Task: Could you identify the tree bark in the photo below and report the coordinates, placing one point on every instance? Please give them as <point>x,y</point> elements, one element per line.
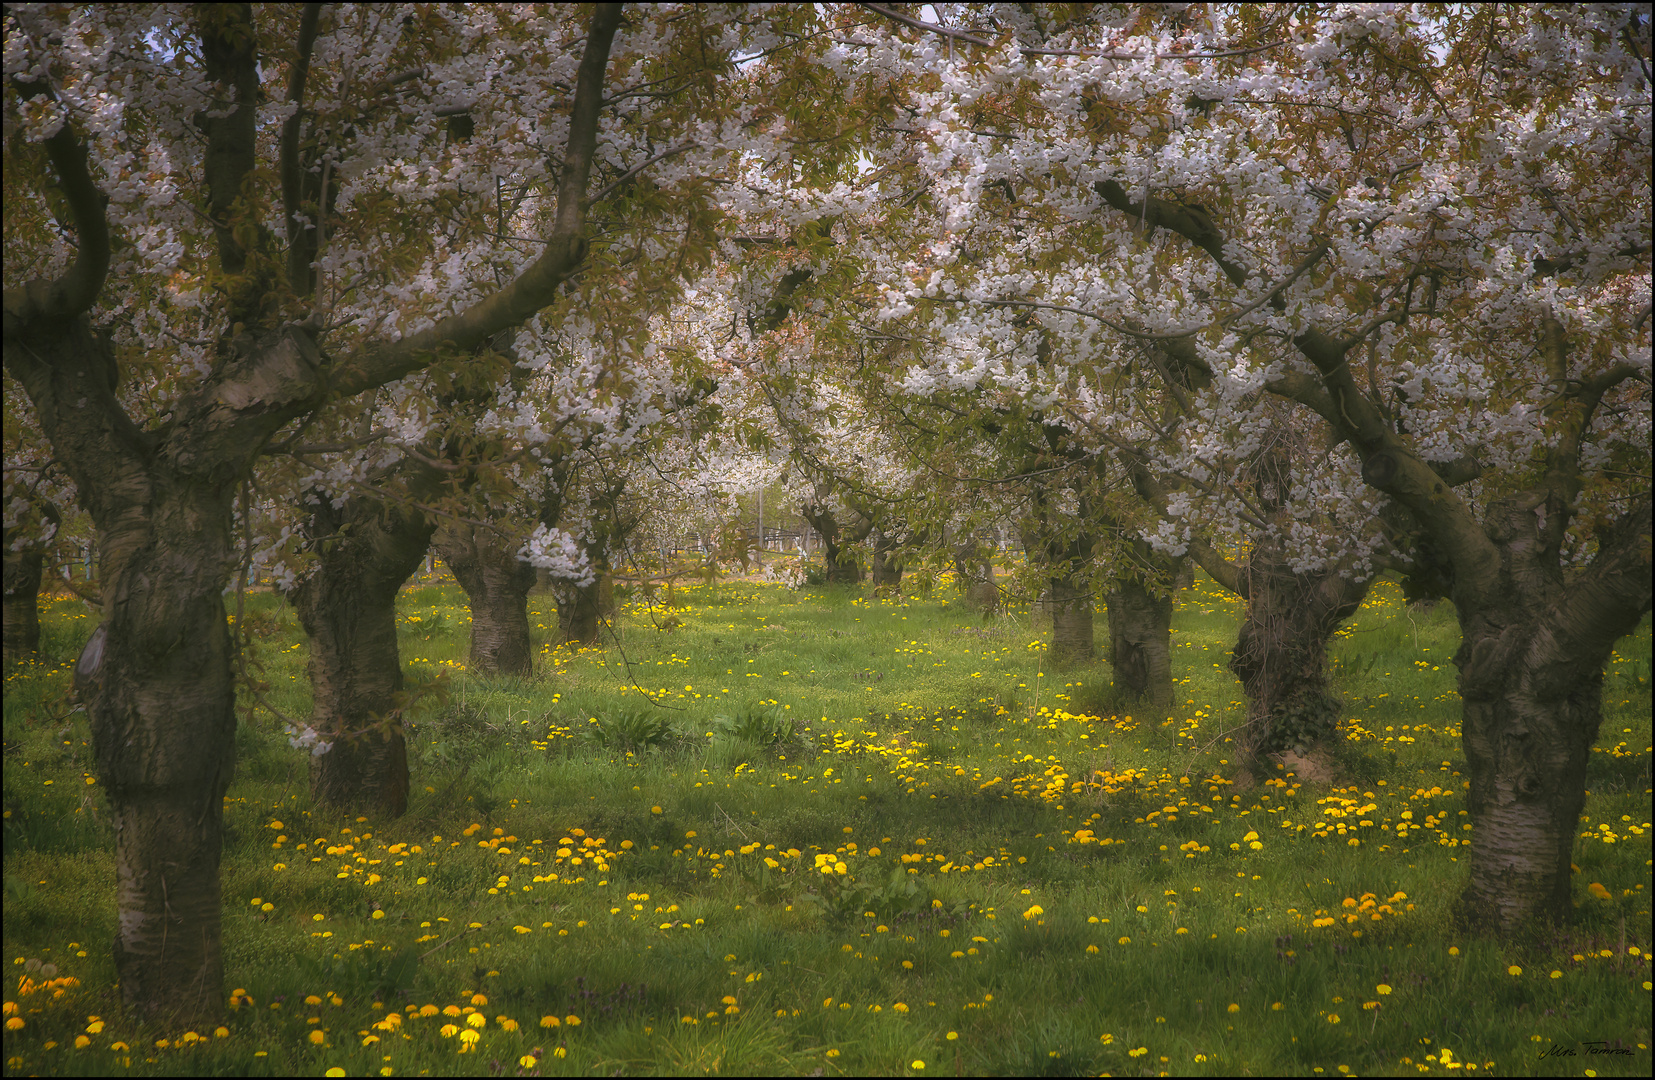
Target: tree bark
<point>1140,623</point>
<point>1068,598</point>
<point>1531,661</point>
<point>156,675</point>
<point>156,681</point>
<point>23,570</point>
<point>582,610</point>
<point>496,584</point>
<point>884,568</point>
<point>1071,606</point>
<point>347,606</point>
<point>1281,652</point>
<point>841,567</point>
<point>974,576</point>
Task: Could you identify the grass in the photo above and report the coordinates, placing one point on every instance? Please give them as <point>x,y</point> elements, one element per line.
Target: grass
<point>872,836</point>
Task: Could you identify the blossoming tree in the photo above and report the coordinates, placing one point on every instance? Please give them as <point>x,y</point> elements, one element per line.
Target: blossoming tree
<point>151,204</point>
<point>1428,230</point>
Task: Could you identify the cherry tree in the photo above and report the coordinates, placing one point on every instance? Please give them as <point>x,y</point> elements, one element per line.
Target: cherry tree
<point>1427,229</point>
<point>148,132</point>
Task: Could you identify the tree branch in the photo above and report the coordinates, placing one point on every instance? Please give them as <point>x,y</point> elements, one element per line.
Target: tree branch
<point>74,292</point>
<point>298,263</point>
<point>536,286</point>
<point>1392,466</point>
<point>229,52</point>
<point>1193,223</point>
<point>1607,601</point>
<point>971,39</point>
<point>1206,556</point>
<point>602,192</point>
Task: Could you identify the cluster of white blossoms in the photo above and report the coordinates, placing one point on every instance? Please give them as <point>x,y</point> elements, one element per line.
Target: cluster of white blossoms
<point>560,554</point>
<point>986,232</point>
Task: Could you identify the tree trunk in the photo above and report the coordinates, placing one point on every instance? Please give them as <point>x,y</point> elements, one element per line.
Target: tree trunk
<point>365,551</point>
<point>885,569</point>
<point>841,568</point>
<point>23,571</point>
<point>974,576</point>
<point>1534,635</point>
<point>496,584</point>
<point>1071,607</point>
<point>1281,652</point>
<point>156,681</point>
<point>583,609</point>
<point>1531,661</point>
<point>1527,737</point>
<point>1139,625</point>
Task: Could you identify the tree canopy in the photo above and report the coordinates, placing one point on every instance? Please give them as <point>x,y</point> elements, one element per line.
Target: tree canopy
<point>1302,292</point>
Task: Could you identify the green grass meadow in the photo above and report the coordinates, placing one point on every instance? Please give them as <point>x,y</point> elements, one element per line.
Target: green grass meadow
<point>823,832</point>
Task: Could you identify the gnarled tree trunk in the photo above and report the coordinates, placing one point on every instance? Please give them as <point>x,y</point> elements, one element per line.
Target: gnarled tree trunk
<point>347,606</point>
<point>974,576</point>
<point>884,567</point>
<point>1140,623</point>
<point>1071,606</point>
<point>1281,652</point>
<point>1531,662</point>
<point>583,610</point>
<point>156,679</point>
<point>1068,599</point>
<point>841,567</point>
<point>1534,637</point>
<point>496,584</point>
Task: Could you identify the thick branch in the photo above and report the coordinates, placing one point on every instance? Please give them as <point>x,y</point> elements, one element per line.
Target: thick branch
<point>73,292</point>
<point>583,121</point>
<point>972,39</point>
<point>1193,223</point>
<point>1206,556</point>
<point>536,286</point>
<point>1581,403</point>
<point>298,263</point>
<point>1392,466</point>
<point>1272,297</point>
<point>229,52</point>
<point>1309,392</point>
<point>1607,601</point>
